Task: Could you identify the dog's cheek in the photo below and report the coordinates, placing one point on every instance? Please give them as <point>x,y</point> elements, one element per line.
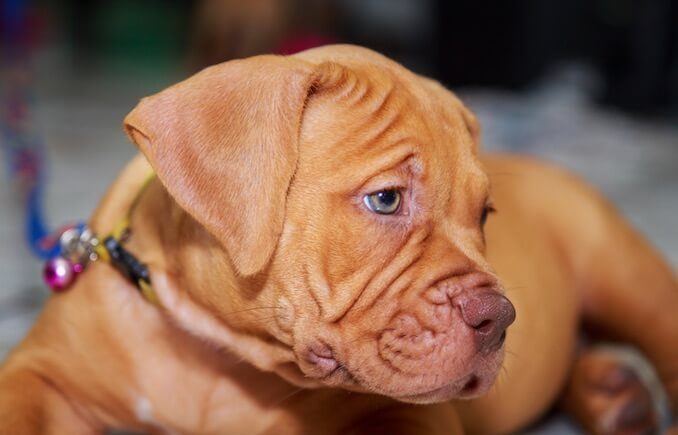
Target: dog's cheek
<point>356,240</point>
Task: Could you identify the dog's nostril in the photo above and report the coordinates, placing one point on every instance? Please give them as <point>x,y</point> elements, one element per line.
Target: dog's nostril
<point>471,385</point>
<point>484,326</point>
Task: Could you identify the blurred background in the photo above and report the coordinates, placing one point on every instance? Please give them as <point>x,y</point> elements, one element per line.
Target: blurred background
<point>590,84</point>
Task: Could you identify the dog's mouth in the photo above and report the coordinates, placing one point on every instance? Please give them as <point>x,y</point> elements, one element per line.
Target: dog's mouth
<point>340,376</point>
<point>442,352</point>
<point>320,362</point>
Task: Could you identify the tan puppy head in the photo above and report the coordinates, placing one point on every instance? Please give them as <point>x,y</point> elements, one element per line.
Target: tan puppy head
<point>344,192</point>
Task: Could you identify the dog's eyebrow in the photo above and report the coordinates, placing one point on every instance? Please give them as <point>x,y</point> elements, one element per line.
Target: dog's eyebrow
<point>377,162</point>
<point>393,155</point>
<point>404,156</point>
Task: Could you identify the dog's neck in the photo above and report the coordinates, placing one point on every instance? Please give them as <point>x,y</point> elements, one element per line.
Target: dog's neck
<point>197,286</point>
<point>187,266</point>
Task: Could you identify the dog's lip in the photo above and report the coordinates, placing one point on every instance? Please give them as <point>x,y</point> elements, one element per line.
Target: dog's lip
<point>340,376</point>
<point>467,387</point>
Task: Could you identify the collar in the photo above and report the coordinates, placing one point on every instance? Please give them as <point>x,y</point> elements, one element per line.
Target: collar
<point>80,246</point>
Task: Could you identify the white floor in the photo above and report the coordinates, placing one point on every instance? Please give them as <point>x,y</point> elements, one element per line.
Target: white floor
<point>79,116</point>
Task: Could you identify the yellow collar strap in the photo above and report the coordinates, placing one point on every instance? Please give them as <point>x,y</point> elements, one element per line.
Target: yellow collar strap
<point>123,260</point>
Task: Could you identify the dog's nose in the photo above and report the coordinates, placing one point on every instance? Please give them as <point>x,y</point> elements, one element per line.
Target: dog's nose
<point>488,313</point>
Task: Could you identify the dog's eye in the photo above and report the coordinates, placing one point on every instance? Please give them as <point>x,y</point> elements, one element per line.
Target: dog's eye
<point>384,201</point>
<point>486,212</point>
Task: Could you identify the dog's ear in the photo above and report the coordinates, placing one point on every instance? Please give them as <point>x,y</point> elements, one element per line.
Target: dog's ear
<point>470,121</point>
<point>472,124</point>
<point>224,144</point>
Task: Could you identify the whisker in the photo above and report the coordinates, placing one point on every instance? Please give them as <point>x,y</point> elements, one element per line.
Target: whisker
<point>285,397</point>
<point>512,355</point>
<point>361,340</point>
<point>502,174</point>
<point>259,321</point>
<point>501,380</point>
<point>515,287</point>
<point>253,309</point>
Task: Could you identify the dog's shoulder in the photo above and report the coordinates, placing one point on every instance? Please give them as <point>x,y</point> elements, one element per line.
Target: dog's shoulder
<point>543,200</point>
<point>546,189</point>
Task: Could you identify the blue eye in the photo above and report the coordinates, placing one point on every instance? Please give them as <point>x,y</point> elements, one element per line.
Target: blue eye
<point>384,201</point>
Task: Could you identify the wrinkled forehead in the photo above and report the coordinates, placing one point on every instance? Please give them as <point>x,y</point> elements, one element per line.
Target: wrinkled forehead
<point>375,117</point>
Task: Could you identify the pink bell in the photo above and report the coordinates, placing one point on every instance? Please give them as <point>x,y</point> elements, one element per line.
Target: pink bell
<point>58,274</point>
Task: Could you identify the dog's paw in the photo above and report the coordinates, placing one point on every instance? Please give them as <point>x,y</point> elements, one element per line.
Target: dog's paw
<point>606,396</point>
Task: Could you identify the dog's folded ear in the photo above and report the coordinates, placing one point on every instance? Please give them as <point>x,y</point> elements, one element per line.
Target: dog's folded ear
<point>224,144</point>
<point>472,124</point>
<point>470,121</point>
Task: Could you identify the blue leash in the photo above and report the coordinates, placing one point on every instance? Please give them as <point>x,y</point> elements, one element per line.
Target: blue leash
<point>71,248</point>
<point>23,154</point>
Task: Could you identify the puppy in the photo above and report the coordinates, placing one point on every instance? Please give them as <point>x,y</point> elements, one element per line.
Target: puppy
<point>316,243</point>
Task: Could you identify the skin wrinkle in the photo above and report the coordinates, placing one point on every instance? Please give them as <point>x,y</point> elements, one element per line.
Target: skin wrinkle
<point>378,125</point>
<point>389,363</point>
<point>388,127</point>
<point>87,418</point>
<point>399,154</point>
<point>389,346</point>
<point>366,92</point>
<point>203,418</point>
<point>397,285</point>
<point>373,157</point>
<point>180,299</point>
<point>423,378</point>
<point>204,305</point>
<point>355,96</point>
<point>437,345</point>
<point>401,282</point>
<point>285,323</point>
<point>367,301</point>
<point>306,276</point>
<point>349,84</point>
<point>363,364</point>
<point>371,143</point>
<point>338,315</point>
<point>387,99</point>
<point>469,253</point>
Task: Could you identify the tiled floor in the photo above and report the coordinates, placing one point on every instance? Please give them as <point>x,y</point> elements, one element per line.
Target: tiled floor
<point>79,115</point>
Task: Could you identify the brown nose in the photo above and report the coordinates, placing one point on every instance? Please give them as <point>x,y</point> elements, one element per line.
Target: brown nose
<point>488,313</point>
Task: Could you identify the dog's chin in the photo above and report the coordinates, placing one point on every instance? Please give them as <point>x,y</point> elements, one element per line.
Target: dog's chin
<point>474,382</point>
<point>469,387</point>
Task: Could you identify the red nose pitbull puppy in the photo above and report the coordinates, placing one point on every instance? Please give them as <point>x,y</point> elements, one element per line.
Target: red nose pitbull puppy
<point>320,262</point>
